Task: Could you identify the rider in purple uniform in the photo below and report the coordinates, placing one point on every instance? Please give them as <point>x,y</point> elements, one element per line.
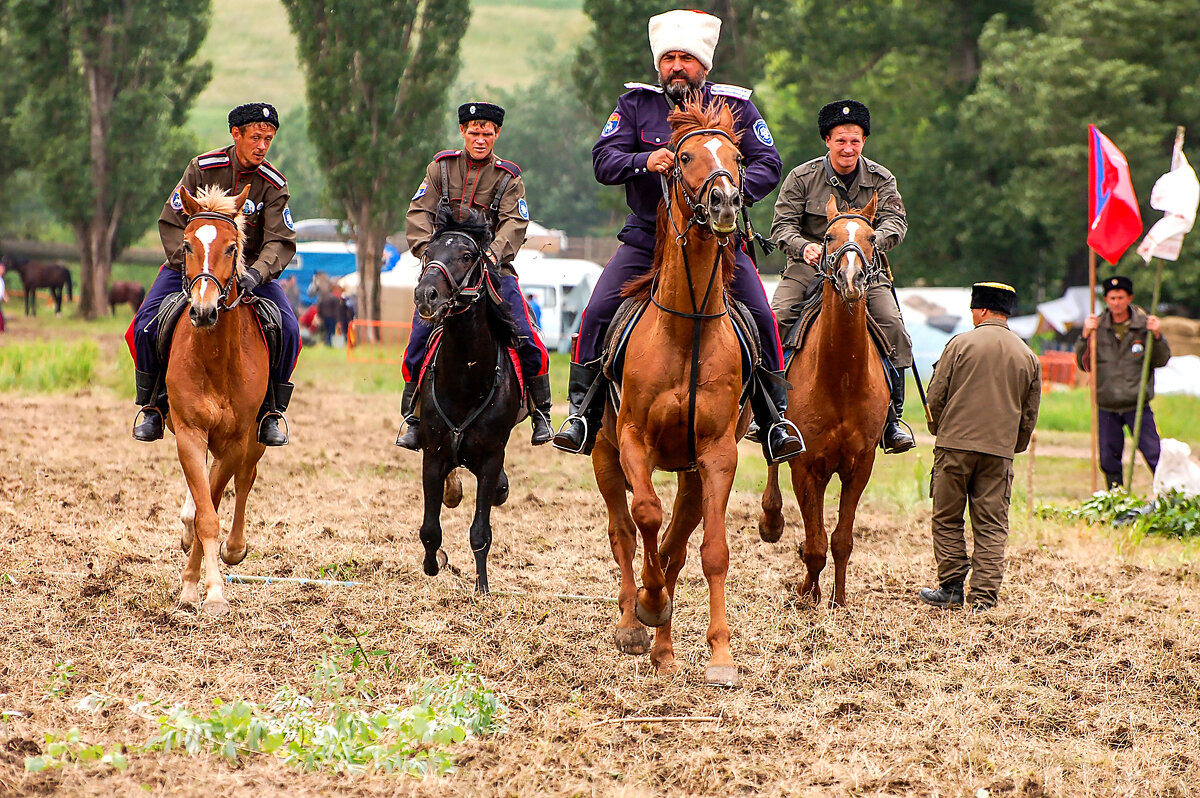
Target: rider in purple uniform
<point>634,150</point>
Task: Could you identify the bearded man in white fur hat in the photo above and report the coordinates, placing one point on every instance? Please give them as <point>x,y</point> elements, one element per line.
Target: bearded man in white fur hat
<point>633,151</point>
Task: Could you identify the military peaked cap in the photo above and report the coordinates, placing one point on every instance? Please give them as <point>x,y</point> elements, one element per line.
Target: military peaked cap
<point>484,112</point>
<point>250,113</point>
<point>998,297</point>
<point>1118,283</point>
<point>844,112</point>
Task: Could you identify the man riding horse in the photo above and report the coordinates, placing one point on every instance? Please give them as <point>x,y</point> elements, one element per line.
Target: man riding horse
<point>270,245</point>
<point>475,177</point>
<point>799,229</point>
<point>633,151</point>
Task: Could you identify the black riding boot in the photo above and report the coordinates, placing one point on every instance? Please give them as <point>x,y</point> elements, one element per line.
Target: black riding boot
<point>279,396</point>
<point>539,409</point>
<point>768,400</point>
<point>409,439</point>
<point>896,439</point>
<point>586,390</point>
<point>1113,480</point>
<point>152,403</point>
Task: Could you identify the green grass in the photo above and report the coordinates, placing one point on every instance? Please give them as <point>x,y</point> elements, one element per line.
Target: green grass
<point>54,366</point>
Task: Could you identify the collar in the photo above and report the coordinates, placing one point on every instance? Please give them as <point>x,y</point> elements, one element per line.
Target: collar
<point>993,323</point>
<point>846,180</point>
<point>488,160</point>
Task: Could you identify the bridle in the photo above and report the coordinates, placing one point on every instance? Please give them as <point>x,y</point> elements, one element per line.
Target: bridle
<point>463,294</point>
<point>231,283</point>
<point>694,201</point>
<point>827,266</point>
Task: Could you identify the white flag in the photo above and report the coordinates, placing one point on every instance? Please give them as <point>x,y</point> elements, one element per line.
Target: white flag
<point>1176,194</point>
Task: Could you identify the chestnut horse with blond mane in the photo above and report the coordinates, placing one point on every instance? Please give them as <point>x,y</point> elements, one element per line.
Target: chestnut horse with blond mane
<point>840,405</point>
<point>216,381</point>
<point>679,397</point>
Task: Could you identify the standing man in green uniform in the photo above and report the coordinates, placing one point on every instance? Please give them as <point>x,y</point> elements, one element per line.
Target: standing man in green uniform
<point>983,402</point>
<point>799,229</point>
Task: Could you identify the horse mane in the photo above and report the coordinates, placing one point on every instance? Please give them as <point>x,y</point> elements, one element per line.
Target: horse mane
<point>692,116</point>
<point>213,199</point>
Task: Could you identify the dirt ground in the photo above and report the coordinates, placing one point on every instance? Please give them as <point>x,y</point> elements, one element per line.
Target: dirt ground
<point>1084,681</point>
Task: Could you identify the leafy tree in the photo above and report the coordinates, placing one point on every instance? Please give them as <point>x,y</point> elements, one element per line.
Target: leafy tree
<point>296,157</point>
<point>105,127</point>
<point>377,71</point>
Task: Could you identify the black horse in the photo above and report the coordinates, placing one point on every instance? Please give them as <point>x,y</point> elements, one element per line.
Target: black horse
<point>35,275</point>
<point>470,396</point>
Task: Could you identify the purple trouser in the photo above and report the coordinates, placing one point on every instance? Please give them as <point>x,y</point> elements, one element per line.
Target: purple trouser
<point>169,281</point>
<point>632,261</point>
<point>535,361</point>
<point>1112,438</point>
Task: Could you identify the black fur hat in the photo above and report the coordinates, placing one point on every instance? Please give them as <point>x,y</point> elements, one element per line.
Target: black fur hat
<point>484,112</point>
<point>250,113</point>
<point>1118,283</point>
<point>994,296</point>
<point>844,112</point>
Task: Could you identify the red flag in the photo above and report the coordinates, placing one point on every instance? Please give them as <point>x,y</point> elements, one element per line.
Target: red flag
<point>1115,221</point>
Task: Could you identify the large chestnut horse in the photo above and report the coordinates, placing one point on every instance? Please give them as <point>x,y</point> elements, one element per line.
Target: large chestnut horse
<point>679,397</point>
<point>216,381</point>
<point>838,399</point>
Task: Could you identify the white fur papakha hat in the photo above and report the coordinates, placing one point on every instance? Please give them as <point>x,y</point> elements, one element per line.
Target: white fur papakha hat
<point>693,32</point>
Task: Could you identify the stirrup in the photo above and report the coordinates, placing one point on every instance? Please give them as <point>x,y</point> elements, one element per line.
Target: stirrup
<point>287,430</point>
<point>771,457</point>
<point>144,412</point>
<point>583,444</point>
<point>911,437</point>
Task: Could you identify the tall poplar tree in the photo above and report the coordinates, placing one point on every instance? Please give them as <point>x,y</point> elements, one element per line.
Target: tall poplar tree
<point>103,120</point>
<point>377,74</point>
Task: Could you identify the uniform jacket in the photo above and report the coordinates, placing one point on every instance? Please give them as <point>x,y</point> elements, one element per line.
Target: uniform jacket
<point>270,233</point>
<point>985,392</point>
<point>473,182</point>
<point>639,126</point>
<point>800,210</point>
<point>1119,361</point>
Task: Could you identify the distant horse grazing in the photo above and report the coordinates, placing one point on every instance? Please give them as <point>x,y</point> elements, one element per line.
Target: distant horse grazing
<point>470,392</point>
<point>126,291</point>
<point>679,397</point>
<point>839,400</point>
<point>216,381</point>
<point>38,274</point>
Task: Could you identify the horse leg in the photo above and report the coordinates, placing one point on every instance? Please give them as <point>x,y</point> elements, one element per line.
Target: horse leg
<point>630,636</point>
<point>842,543</point>
<point>770,523</point>
<point>810,491</point>
<point>685,516</point>
<point>652,604</point>
<point>487,481</point>
<point>190,593</point>
<point>717,468</point>
<point>234,549</point>
<point>57,293</point>
<point>433,478</point>
<point>191,447</point>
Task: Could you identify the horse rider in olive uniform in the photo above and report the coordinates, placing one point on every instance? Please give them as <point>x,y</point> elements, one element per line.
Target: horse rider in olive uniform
<point>475,177</point>
<point>270,245</point>
<point>799,229</point>
<point>634,151</point>
<point>983,405</point>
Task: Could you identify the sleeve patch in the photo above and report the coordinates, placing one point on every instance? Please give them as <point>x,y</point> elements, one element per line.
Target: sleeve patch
<point>611,126</point>
<point>421,189</point>
<point>763,133</point>
<point>287,219</point>
<point>896,204</point>
<point>176,200</point>
<point>523,209</point>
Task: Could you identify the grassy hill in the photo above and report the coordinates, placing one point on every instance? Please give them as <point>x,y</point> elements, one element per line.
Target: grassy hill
<point>253,53</point>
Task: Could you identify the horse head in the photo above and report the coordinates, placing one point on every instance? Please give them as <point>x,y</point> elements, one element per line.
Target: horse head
<point>213,242</point>
<point>848,258</point>
<point>453,269</point>
<point>708,164</point>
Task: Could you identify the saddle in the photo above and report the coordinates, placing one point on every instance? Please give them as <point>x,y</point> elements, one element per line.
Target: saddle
<point>630,312</point>
<point>270,322</point>
<point>810,308</point>
<point>429,364</point>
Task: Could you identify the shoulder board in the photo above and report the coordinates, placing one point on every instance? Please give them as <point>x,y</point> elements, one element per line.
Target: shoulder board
<point>633,84</point>
<point>447,154</point>
<point>211,160</point>
<point>877,168</point>
<point>729,90</point>
<point>273,175</point>
<point>509,167</point>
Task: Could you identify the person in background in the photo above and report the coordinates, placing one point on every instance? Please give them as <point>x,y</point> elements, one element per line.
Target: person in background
<point>536,309</point>
<point>3,296</point>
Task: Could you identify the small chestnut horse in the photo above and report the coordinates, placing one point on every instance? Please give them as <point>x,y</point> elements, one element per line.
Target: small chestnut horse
<point>839,400</point>
<point>216,381</point>
<point>679,397</point>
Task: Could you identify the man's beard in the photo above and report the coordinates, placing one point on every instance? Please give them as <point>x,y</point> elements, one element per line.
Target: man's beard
<point>678,92</point>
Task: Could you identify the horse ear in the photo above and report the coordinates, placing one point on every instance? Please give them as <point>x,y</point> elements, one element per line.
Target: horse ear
<point>241,198</point>
<point>190,206</point>
<point>869,211</point>
<point>831,208</point>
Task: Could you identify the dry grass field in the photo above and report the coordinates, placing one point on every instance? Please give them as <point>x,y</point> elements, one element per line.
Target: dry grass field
<point>1085,680</point>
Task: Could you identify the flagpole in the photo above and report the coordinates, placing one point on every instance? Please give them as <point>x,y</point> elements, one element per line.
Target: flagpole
<point>1137,419</point>
<point>1092,367</point>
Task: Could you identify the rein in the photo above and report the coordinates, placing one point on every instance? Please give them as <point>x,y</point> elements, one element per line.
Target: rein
<point>463,295</point>
<point>231,283</point>
<point>829,260</point>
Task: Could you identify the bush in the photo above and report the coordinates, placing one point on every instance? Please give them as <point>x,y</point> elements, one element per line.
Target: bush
<point>48,366</point>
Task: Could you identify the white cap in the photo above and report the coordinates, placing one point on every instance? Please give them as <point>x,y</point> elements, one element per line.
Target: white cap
<point>693,32</point>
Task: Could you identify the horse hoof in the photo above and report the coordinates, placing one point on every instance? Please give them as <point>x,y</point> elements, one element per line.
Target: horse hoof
<point>501,490</point>
<point>632,641</point>
<point>233,559</point>
<point>441,558</point>
<point>722,676</point>
<point>430,566</point>
<point>481,587</point>
<point>769,530</point>
<point>668,667</point>
<point>645,616</point>
<point>189,595</point>
<point>216,608</point>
